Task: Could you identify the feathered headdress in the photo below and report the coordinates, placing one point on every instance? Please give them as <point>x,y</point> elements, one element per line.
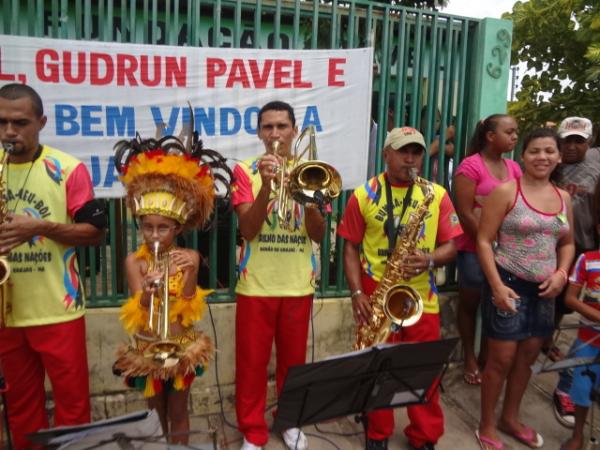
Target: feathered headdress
<point>165,177</point>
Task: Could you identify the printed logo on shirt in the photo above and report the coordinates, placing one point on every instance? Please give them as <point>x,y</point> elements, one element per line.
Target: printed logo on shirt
<point>54,169</point>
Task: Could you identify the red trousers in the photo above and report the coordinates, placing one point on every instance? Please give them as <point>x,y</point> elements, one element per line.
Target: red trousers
<point>426,421</point>
<point>259,320</point>
<point>26,354</point>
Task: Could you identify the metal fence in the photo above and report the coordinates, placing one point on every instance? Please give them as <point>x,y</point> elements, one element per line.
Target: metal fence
<point>421,79</point>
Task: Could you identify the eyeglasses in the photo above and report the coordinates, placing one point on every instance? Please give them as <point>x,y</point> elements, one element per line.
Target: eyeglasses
<point>161,230</point>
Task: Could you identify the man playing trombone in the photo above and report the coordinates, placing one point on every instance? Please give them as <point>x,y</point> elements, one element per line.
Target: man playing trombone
<point>277,235</point>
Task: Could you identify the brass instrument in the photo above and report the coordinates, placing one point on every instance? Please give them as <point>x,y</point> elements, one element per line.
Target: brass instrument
<point>4,264</point>
<point>163,350</point>
<point>311,182</point>
<point>392,301</point>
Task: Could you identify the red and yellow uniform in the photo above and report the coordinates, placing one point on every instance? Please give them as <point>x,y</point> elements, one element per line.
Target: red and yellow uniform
<point>274,296</point>
<point>45,325</point>
<point>364,223</point>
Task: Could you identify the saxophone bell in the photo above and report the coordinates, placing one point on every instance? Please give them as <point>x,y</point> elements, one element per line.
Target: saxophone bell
<point>403,305</point>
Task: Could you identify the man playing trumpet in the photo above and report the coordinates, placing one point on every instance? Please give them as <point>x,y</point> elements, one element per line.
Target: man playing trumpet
<point>271,305</point>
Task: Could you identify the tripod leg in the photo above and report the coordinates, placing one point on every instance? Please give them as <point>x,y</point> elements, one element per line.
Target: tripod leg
<point>364,419</point>
<point>592,442</point>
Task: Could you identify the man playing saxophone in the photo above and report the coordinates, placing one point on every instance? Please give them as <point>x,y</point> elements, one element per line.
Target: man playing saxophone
<point>373,221</point>
<point>51,209</point>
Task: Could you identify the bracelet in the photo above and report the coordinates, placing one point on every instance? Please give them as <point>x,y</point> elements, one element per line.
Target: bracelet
<point>563,272</point>
<point>431,265</point>
<point>356,293</point>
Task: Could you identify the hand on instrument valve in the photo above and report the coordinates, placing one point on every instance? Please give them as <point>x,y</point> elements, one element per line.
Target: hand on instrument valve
<point>415,264</point>
<point>17,229</point>
<point>267,167</point>
<point>150,286</point>
<point>183,260</point>
<point>361,308</point>
<point>186,261</point>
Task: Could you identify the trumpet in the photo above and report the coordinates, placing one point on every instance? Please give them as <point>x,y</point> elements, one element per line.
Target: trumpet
<point>311,182</point>
<point>163,350</point>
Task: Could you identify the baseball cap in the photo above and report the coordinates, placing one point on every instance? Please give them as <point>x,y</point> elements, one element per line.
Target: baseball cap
<point>399,137</point>
<point>579,126</point>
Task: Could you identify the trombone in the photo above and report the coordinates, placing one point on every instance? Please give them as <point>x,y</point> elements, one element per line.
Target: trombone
<point>309,182</point>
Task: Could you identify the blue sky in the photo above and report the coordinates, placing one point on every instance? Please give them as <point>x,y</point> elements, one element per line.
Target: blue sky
<point>481,8</point>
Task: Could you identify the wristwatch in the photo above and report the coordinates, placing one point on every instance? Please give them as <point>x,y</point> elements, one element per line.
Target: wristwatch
<point>356,293</point>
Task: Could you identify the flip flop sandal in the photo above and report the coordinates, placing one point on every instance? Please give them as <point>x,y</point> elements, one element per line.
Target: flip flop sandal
<point>528,437</point>
<point>487,443</point>
<point>472,378</point>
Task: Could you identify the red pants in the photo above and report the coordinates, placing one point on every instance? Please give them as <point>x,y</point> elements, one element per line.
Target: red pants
<point>426,421</point>
<point>257,321</point>
<point>27,354</point>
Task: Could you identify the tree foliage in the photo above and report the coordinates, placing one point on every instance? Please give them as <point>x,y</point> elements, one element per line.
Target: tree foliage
<point>559,41</point>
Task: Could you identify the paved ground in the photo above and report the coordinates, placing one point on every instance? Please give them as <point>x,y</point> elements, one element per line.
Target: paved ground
<point>459,401</point>
<point>461,406</point>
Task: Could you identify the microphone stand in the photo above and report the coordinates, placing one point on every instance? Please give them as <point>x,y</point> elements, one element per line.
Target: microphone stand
<point>3,389</point>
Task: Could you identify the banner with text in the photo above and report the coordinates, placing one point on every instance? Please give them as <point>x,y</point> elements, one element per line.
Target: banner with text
<point>97,93</point>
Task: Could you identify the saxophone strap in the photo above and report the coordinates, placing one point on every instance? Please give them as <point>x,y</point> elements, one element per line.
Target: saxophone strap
<point>391,230</point>
<point>36,155</point>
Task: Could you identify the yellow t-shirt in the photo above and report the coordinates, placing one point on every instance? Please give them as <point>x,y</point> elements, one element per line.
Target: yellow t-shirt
<point>44,286</point>
<point>365,217</point>
<point>277,262</point>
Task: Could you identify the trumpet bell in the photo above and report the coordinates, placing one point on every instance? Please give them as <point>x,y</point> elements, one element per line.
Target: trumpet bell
<point>164,353</point>
<point>403,305</point>
<point>314,182</point>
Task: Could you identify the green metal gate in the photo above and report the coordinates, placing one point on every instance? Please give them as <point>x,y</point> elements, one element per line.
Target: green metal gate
<point>427,66</point>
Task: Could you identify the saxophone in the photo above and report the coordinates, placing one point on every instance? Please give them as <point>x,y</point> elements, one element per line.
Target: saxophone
<point>4,265</point>
<point>393,302</point>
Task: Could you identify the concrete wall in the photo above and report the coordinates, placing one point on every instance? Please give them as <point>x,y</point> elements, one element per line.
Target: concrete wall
<point>333,334</point>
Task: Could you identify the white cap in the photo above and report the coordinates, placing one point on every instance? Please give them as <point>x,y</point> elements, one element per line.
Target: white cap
<point>399,137</point>
<point>579,126</point>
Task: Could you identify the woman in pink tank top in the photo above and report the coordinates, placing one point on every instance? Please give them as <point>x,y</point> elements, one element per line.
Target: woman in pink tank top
<point>530,220</point>
<point>478,174</point>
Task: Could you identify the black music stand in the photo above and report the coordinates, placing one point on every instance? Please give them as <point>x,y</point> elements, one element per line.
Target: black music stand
<point>385,376</point>
<point>137,430</point>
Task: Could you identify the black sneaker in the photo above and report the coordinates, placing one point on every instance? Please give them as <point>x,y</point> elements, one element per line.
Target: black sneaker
<point>564,409</point>
<point>376,444</point>
<point>426,446</point>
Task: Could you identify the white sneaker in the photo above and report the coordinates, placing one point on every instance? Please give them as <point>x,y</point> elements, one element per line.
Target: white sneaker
<point>250,446</point>
<point>295,439</point>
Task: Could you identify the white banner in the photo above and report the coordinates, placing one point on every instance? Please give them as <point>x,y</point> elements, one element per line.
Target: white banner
<point>97,93</point>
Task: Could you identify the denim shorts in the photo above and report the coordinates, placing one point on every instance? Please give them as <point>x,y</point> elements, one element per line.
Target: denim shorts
<point>534,316</point>
<point>470,275</point>
<point>581,388</point>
